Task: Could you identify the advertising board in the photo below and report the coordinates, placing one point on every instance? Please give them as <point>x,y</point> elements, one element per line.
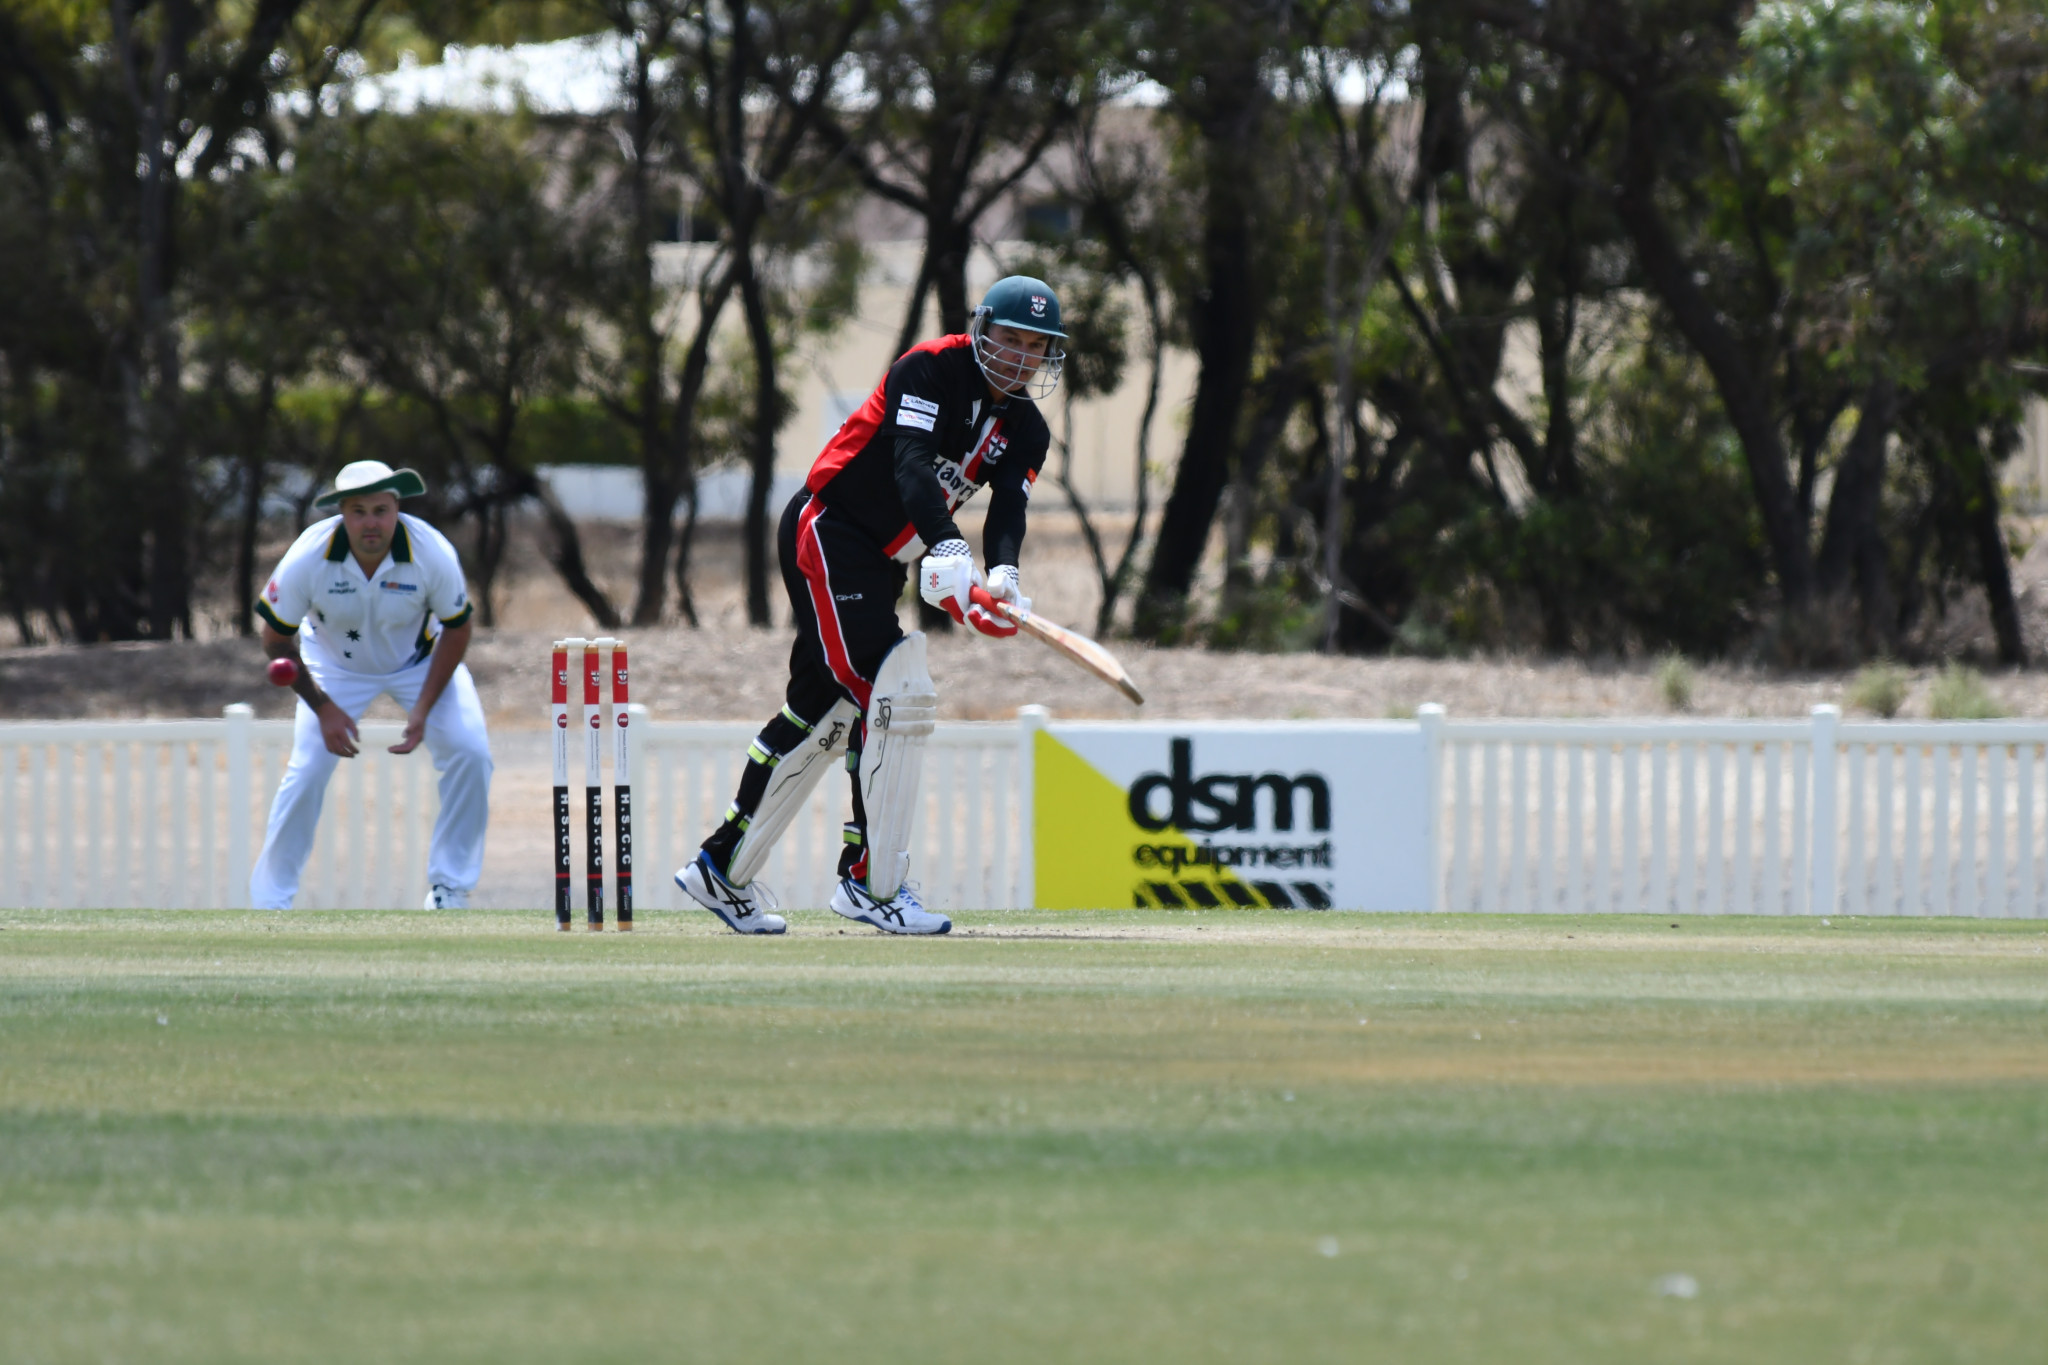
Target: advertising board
<point>1282,815</point>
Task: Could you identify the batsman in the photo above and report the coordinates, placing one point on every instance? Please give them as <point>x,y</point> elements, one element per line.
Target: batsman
<point>952,416</point>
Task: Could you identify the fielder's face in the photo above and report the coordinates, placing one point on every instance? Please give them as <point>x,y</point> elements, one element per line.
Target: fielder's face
<point>1013,356</point>
<point>370,520</point>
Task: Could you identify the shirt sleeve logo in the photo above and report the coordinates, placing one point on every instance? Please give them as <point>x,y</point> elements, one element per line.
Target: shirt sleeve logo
<point>913,411</point>
<point>270,591</point>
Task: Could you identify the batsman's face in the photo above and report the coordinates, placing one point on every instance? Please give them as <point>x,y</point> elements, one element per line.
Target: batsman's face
<point>1014,355</point>
<point>370,521</point>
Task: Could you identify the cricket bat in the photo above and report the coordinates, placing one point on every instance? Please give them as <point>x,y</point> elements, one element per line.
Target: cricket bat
<point>1071,643</point>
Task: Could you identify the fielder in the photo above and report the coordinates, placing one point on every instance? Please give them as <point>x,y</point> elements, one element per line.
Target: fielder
<point>952,415</point>
<point>384,608</point>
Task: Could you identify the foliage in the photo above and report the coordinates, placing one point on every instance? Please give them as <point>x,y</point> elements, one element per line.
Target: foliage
<point>1698,327</point>
<point>1960,693</point>
<point>1675,680</point>
<point>1880,688</point>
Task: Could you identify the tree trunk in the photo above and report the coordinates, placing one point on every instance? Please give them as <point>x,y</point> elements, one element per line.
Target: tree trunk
<point>761,442</point>
<point>490,552</point>
<point>155,410</point>
<point>1991,555</point>
<point>1852,546</point>
<point>1114,583</point>
<point>567,557</point>
<point>949,273</point>
<point>253,474</point>
<point>1224,323</point>
<point>686,602</point>
<point>913,313</point>
<point>643,339</point>
<point>668,472</point>
<point>1743,391</point>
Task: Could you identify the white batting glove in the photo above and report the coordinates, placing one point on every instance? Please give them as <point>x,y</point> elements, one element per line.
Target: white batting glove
<point>946,576</point>
<point>1002,585</point>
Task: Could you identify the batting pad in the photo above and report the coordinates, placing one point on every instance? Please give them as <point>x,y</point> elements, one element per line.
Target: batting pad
<point>791,782</point>
<point>900,715</point>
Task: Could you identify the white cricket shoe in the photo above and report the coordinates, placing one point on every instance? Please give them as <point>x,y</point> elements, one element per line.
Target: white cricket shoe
<point>902,913</point>
<point>739,906</point>
<point>441,897</point>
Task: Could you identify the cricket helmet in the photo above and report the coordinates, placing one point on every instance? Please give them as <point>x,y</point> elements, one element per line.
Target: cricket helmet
<point>1028,305</point>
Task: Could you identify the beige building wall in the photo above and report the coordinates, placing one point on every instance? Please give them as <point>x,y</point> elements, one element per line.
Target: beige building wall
<point>2032,465</point>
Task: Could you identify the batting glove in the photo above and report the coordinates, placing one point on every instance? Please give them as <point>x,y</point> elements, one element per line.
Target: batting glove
<point>946,575</point>
<point>1002,585</point>
<point>983,616</point>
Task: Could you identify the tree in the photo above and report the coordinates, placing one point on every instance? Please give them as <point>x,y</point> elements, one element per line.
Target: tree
<point>117,126</point>
<point>656,144</point>
<point>455,280</point>
<point>753,83</point>
<point>968,98</point>
<point>1214,59</point>
<point>1921,298</point>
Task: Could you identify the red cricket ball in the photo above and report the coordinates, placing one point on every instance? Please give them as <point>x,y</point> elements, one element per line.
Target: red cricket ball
<point>283,672</point>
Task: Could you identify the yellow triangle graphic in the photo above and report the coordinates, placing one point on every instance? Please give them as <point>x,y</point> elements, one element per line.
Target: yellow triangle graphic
<point>1085,838</point>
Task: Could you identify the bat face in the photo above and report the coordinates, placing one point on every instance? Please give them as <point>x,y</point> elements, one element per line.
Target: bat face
<point>1074,645</point>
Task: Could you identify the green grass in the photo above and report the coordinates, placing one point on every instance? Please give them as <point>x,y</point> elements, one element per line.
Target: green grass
<point>1128,1137</point>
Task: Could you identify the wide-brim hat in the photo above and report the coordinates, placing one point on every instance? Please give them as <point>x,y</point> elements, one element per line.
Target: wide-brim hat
<point>371,476</point>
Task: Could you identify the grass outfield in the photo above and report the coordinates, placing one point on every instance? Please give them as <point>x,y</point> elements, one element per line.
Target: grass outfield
<point>1129,1137</point>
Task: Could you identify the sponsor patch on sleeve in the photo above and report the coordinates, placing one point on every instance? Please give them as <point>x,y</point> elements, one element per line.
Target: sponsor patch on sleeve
<point>1030,477</point>
<point>913,411</point>
<point>270,591</point>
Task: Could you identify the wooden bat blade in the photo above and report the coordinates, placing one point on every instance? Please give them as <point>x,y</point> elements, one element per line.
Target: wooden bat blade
<point>1075,646</point>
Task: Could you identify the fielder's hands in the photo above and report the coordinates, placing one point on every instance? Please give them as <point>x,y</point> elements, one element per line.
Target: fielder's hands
<point>338,730</point>
<point>415,731</point>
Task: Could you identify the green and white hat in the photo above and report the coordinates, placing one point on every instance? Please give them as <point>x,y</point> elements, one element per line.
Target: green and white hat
<point>371,476</point>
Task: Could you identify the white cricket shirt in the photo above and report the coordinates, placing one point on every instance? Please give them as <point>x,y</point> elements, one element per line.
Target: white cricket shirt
<point>380,624</point>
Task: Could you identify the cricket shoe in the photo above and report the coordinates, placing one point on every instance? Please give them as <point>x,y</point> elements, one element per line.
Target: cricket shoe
<point>902,913</point>
<point>739,906</point>
<point>441,897</point>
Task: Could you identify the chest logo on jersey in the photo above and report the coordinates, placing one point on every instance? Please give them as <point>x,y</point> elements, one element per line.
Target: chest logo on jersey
<point>340,587</point>
<point>390,586</point>
<point>954,483</point>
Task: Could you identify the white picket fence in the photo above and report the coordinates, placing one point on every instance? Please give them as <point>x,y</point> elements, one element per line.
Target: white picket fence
<point>168,813</point>
<point>1771,817</point>
<point>1752,817</point>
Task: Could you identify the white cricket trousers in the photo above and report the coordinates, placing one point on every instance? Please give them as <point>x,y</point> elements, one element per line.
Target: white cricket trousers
<point>462,755</point>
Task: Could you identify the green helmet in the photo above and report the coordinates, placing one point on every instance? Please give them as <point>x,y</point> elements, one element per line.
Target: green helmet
<point>1020,301</point>
<point>1029,305</point>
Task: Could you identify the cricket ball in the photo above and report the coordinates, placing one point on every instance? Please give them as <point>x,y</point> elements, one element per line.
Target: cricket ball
<point>283,672</point>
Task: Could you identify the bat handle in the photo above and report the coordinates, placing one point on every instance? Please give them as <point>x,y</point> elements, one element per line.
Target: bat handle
<point>988,601</point>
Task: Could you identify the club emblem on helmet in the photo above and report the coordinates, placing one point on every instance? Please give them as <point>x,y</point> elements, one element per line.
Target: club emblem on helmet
<point>1038,305</point>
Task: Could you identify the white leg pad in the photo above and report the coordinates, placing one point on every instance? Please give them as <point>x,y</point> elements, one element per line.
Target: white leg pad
<point>794,777</point>
<point>901,711</point>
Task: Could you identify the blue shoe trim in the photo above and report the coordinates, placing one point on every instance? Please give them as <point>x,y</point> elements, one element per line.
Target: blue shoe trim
<point>716,880</point>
